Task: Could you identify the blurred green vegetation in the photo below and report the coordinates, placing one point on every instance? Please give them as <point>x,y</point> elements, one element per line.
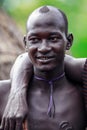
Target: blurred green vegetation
<point>75,10</point>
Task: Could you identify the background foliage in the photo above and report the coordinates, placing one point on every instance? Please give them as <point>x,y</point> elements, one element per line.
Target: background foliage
<point>76,11</point>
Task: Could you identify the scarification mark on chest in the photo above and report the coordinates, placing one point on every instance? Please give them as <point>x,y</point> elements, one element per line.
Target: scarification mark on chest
<point>65,125</point>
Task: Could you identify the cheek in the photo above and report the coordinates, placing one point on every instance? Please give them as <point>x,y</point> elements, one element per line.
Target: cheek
<point>59,48</point>
<point>32,49</point>
<point>32,52</point>
<point>60,52</point>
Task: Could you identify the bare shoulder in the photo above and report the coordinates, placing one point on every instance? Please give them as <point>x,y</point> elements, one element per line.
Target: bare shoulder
<point>23,57</point>
<point>21,63</point>
<point>74,61</point>
<point>5,86</point>
<point>74,67</point>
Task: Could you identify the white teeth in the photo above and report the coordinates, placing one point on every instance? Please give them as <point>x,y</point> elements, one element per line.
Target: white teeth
<point>44,58</point>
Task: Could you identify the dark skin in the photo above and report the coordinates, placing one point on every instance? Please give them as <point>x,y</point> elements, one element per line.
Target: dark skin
<point>47,41</point>
<point>68,105</point>
<point>46,45</point>
<point>4,92</point>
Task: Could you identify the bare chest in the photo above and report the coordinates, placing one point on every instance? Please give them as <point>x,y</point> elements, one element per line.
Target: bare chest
<point>69,110</point>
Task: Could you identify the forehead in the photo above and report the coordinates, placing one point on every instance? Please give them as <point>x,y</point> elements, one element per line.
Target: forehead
<point>51,19</point>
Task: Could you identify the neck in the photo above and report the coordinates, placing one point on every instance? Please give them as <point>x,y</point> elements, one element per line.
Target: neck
<point>49,75</point>
<point>51,106</point>
<point>51,80</point>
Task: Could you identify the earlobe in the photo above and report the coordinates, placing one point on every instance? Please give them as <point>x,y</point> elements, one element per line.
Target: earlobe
<point>69,41</point>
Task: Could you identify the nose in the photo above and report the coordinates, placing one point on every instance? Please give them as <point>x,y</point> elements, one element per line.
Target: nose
<point>44,47</point>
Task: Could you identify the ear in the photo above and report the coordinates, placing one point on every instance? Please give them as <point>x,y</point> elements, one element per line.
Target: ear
<point>24,40</point>
<point>69,41</point>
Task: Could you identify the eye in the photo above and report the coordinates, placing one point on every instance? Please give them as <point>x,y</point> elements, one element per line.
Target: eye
<point>33,39</point>
<point>55,38</point>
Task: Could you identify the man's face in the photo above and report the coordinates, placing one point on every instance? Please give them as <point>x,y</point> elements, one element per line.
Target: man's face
<point>46,42</point>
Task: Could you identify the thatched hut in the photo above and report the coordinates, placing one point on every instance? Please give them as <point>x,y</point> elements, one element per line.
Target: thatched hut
<point>11,43</point>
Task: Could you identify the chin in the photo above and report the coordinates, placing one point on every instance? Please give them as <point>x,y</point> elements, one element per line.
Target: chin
<point>46,68</point>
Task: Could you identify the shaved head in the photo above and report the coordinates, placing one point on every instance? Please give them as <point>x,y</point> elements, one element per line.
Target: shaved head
<point>47,12</point>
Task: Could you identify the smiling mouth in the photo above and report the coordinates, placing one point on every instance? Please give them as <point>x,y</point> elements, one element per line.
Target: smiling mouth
<point>45,58</point>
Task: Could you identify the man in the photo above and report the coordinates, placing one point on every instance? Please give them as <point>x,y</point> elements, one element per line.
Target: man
<point>54,102</point>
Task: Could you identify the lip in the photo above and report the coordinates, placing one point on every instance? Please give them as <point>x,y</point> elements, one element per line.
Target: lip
<point>45,59</point>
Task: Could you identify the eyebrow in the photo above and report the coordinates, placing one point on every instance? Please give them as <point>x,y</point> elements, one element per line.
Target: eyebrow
<point>37,33</point>
<point>54,33</point>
